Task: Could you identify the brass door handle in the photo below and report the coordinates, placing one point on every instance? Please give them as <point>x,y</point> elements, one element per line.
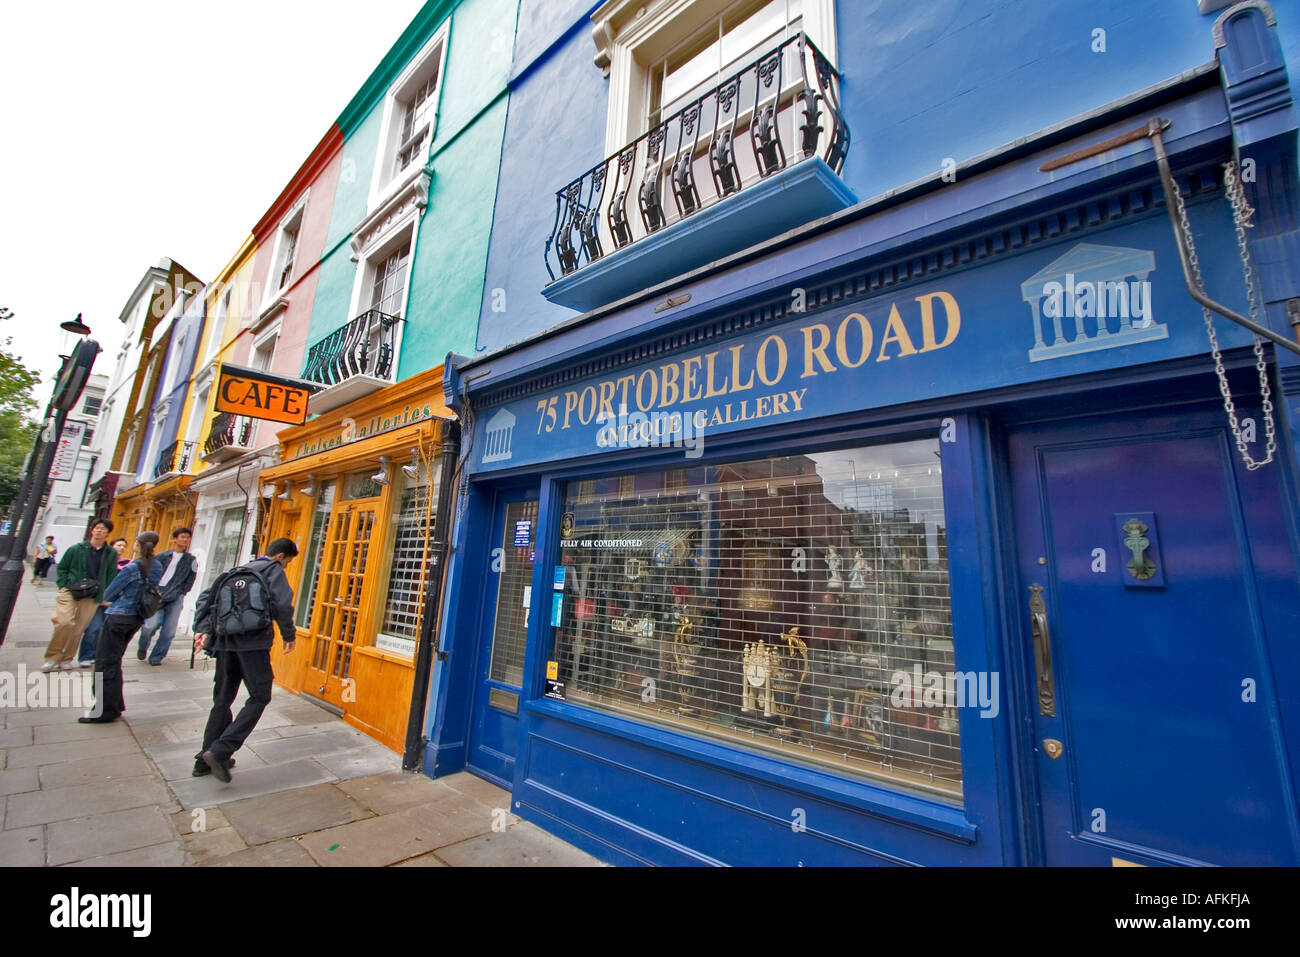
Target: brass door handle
<point>1042,651</point>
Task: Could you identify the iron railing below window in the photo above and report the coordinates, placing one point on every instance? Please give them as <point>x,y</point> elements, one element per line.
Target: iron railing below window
<point>365,346</point>
<point>175,458</point>
<point>228,431</point>
<point>777,90</point>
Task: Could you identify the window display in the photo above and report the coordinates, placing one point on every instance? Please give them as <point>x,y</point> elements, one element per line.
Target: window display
<point>790,604</point>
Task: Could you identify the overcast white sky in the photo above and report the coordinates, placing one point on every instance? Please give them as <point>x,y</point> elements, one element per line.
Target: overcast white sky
<point>139,129</point>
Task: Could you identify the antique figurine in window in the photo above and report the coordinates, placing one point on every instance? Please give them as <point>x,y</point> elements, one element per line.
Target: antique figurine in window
<point>790,660</point>
<point>858,577</point>
<point>834,563</point>
<point>685,659</point>
<point>756,676</point>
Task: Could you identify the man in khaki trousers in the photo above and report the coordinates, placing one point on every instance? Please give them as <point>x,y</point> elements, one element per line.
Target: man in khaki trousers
<point>92,559</point>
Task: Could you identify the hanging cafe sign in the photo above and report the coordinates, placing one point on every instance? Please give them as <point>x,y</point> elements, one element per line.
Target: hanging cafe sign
<point>260,395</point>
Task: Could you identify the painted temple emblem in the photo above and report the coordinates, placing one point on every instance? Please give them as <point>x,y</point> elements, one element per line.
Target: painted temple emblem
<point>1091,298</point>
<point>498,433</point>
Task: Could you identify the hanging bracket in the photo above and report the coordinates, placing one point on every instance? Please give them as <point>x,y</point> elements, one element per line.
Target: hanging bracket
<point>1155,130</point>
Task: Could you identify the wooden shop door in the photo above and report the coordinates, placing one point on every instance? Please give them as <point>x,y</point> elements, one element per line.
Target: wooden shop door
<point>339,601</point>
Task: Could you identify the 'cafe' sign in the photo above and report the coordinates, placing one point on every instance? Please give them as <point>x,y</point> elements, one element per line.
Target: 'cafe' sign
<point>260,395</point>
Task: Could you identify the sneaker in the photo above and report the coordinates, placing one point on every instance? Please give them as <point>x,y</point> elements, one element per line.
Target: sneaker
<point>86,664</point>
<point>220,769</point>
<point>48,666</point>
<point>140,653</point>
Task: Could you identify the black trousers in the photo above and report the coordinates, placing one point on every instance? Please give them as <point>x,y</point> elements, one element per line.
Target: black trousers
<point>113,639</point>
<point>224,736</point>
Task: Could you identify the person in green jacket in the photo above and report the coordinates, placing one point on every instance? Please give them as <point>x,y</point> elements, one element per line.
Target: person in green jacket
<point>91,559</point>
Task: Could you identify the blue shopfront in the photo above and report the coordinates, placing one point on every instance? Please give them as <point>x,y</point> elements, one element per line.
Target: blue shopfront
<point>921,534</point>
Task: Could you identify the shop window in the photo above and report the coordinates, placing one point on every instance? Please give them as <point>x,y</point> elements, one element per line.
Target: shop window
<point>412,528</point>
<point>225,544</point>
<point>785,604</point>
<point>320,524</point>
<point>361,485</point>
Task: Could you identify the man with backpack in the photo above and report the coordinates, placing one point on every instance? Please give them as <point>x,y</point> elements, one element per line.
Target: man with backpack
<point>237,615</point>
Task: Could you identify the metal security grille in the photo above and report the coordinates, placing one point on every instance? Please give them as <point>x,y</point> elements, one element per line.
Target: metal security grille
<point>513,593</point>
<point>412,531</point>
<point>796,605</point>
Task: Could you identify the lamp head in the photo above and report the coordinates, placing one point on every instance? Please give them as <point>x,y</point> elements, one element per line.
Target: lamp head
<point>381,477</point>
<point>412,471</point>
<point>76,326</point>
<point>287,494</point>
<point>310,488</point>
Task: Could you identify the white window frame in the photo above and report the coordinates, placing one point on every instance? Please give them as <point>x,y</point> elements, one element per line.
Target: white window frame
<point>291,223</point>
<point>633,36</point>
<point>386,178</point>
<point>369,259</point>
<point>201,394</point>
<point>270,336</point>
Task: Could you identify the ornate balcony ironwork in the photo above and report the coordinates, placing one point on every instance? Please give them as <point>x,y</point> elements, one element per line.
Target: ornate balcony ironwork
<point>703,141</point>
<point>175,458</point>
<point>365,346</point>
<point>228,431</point>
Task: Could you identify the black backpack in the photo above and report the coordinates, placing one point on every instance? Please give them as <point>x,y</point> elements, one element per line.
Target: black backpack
<point>241,603</point>
<point>150,598</point>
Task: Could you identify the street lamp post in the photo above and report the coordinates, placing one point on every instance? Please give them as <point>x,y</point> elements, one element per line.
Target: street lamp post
<point>71,382</point>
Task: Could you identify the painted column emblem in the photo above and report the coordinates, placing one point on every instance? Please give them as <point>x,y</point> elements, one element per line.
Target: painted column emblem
<point>497,436</point>
<point>1092,297</point>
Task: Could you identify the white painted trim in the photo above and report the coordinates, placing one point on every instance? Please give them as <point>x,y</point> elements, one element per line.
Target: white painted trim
<point>662,24</point>
<point>382,184</point>
<point>295,216</point>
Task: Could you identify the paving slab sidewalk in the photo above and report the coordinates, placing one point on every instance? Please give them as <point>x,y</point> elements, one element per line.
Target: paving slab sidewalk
<point>308,790</point>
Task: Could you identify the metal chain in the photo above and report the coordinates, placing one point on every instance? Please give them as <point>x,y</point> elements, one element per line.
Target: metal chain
<point>1241,213</point>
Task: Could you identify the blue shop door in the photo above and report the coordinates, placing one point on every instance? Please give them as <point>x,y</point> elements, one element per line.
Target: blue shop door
<point>1137,581</point>
<point>503,635</point>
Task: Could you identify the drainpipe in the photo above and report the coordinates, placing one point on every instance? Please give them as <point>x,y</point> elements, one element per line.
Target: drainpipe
<point>435,572</point>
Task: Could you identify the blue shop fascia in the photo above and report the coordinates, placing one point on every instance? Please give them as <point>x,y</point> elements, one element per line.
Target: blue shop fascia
<point>917,534</point>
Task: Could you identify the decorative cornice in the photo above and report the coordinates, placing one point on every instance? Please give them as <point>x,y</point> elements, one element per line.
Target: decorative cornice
<point>411,195</point>
<point>272,309</point>
<point>412,40</point>
<point>905,266</point>
<point>315,164</point>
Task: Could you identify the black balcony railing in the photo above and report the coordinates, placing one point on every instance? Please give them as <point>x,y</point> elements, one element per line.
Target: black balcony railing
<point>365,346</point>
<point>591,213</point>
<point>175,458</point>
<point>228,431</point>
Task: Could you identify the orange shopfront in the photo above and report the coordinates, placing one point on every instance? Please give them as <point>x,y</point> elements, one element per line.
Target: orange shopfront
<point>154,506</point>
<point>357,491</point>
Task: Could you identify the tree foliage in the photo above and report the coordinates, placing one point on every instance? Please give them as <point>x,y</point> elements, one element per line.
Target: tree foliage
<point>17,429</point>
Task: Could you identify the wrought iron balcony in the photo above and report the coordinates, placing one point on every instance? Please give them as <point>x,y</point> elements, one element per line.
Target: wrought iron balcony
<point>365,346</point>
<point>228,437</point>
<point>770,116</point>
<point>175,458</point>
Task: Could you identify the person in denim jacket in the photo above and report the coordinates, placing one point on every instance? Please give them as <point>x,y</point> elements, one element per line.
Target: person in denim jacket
<point>121,621</point>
